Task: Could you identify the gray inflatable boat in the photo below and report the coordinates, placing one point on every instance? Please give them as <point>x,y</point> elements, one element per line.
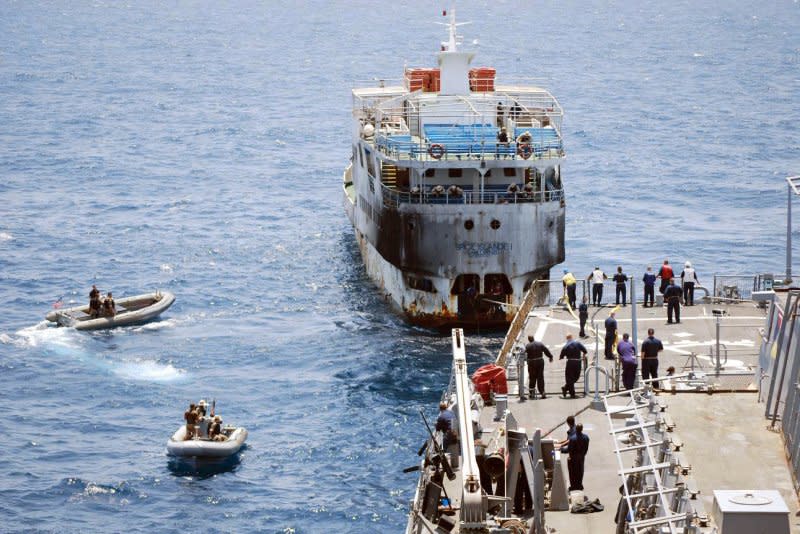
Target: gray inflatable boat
<point>130,310</point>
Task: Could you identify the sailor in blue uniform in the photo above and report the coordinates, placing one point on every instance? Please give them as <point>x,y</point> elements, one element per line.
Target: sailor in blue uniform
<point>621,280</point>
<point>577,448</point>
<point>573,351</point>
<point>649,280</point>
<point>583,315</point>
<point>650,349</point>
<point>611,335</point>
<point>673,294</point>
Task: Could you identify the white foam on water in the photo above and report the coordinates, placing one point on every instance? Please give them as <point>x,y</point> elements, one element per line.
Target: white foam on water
<point>6,339</point>
<point>44,334</point>
<point>157,325</point>
<point>146,370</point>
<point>5,236</point>
<point>166,267</point>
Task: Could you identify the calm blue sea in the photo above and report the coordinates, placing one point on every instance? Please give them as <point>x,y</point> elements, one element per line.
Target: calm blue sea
<point>198,147</point>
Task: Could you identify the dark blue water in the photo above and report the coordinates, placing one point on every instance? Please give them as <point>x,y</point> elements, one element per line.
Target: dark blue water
<point>199,147</point>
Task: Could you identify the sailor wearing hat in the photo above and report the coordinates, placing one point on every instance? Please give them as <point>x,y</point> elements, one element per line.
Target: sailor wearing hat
<point>688,279</point>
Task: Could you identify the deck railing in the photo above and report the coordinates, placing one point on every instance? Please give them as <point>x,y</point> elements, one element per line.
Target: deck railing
<point>401,147</point>
<point>393,197</point>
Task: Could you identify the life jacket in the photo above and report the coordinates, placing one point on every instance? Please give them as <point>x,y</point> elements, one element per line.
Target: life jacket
<point>666,272</point>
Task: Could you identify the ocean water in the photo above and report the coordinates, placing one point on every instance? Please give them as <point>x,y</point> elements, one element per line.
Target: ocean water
<point>198,148</point>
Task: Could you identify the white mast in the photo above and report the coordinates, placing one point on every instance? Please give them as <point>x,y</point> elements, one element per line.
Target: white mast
<point>454,65</point>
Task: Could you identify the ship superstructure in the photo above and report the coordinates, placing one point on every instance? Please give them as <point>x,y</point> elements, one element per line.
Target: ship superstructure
<point>454,189</point>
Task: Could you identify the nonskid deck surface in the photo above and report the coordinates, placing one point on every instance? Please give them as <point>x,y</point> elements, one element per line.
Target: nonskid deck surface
<point>725,435</point>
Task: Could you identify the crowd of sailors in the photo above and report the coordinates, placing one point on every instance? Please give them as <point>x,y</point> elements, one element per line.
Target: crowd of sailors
<point>674,295</point>
<point>200,425</point>
<point>101,307</point>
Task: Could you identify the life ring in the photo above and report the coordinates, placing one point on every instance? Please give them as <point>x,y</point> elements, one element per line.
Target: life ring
<point>436,151</point>
<point>525,150</point>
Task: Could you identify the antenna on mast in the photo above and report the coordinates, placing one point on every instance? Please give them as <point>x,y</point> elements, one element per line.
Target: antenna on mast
<point>451,45</point>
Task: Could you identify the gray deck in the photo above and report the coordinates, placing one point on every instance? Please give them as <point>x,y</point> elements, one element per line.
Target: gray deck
<point>725,434</point>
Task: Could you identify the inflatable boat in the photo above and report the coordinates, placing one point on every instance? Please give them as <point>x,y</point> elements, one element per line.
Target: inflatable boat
<point>178,445</point>
<point>130,310</point>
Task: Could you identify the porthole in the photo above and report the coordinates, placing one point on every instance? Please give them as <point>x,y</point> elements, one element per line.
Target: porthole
<point>495,224</point>
<point>468,224</point>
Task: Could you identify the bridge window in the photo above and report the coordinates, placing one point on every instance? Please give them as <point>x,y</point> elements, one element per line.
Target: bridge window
<point>454,173</point>
<point>509,172</point>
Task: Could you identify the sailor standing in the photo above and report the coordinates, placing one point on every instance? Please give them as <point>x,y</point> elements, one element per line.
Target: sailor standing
<point>536,351</point>
<point>688,279</point>
<point>673,295</point>
<point>583,315</point>
<point>649,280</point>
<point>597,278</point>
<point>611,336</point>
<point>666,274</point>
<point>573,351</point>
<point>621,279</point>
<point>650,349</point>
<point>569,282</point>
<point>627,355</point>
<point>577,448</point>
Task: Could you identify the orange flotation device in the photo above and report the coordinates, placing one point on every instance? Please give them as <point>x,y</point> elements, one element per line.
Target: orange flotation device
<point>490,379</point>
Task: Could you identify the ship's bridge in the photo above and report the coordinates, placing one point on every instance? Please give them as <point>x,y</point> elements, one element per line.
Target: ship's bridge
<point>417,126</point>
<point>494,144</point>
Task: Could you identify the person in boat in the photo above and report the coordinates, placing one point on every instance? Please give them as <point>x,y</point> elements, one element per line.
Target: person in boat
<point>109,308</point>
<point>190,416</point>
<point>94,302</point>
<point>501,109</point>
<point>202,420</point>
<point>524,138</point>
<point>215,429</point>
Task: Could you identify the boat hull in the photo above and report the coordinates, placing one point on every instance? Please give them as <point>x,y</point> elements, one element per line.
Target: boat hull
<point>130,314</point>
<point>202,448</point>
<point>392,258</point>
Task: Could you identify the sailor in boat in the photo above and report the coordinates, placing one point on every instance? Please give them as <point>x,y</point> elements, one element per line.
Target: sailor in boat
<point>190,416</point>
<point>94,302</point>
<point>109,308</point>
<point>215,430</point>
<point>202,421</point>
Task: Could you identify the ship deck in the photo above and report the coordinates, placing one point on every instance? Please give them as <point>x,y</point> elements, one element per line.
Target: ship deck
<point>726,436</point>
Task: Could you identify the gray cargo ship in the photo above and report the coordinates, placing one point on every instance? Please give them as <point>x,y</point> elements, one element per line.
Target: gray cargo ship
<point>454,189</point>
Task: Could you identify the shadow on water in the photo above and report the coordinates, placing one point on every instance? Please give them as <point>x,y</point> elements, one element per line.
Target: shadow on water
<point>203,468</point>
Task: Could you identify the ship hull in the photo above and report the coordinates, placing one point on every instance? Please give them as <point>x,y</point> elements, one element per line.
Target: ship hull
<point>438,263</point>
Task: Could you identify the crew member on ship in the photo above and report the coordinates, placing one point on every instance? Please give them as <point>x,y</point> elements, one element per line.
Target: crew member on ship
<point>688,279</point>
<point>535,352</point>
<point>666,274</point>
<point>572,351</point>
<point>649,280</point>
<point>570,283</point>
<point>596,277</point>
